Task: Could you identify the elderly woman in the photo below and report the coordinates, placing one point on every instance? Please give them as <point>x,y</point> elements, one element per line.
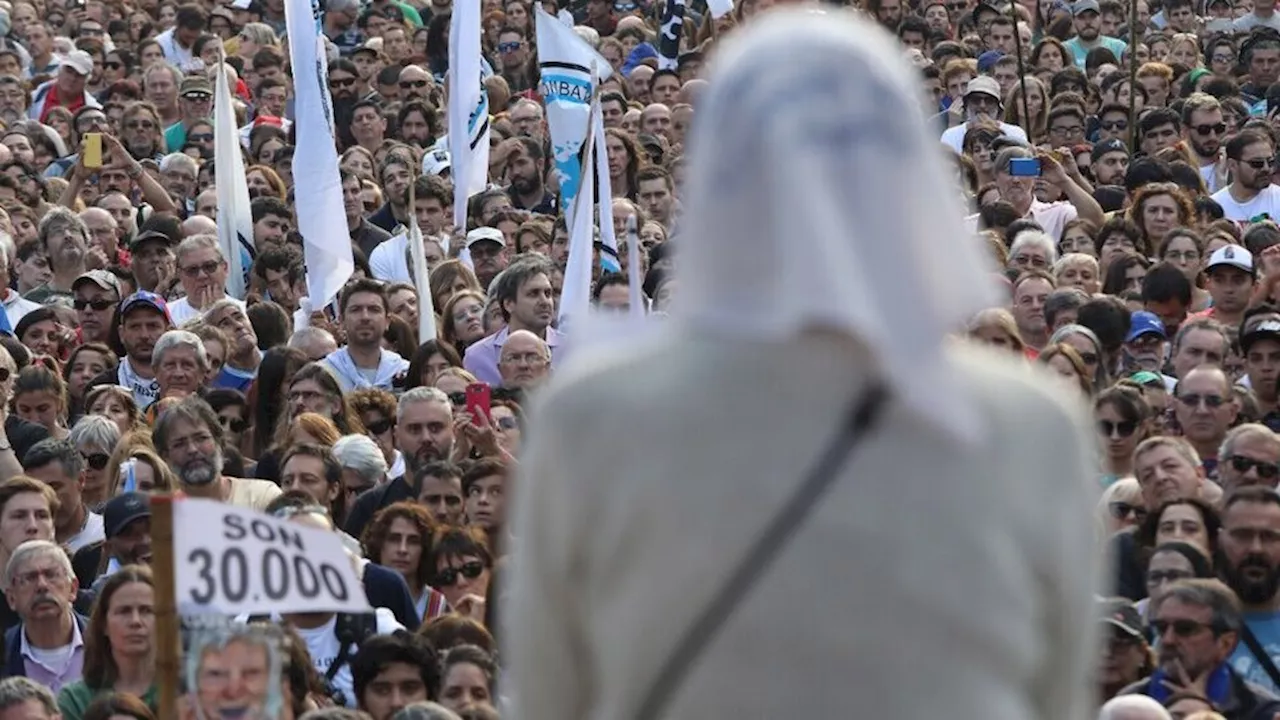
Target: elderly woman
<point>95,437</point>
<point>1078,270</point>
<point>1032,250</point>
<point>363,465</point>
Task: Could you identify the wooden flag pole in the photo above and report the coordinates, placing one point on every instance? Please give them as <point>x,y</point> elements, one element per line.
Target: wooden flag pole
<point>168,648</point>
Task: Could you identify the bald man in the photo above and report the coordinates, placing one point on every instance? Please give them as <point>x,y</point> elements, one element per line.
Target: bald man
<point>199,225</point>
<point>104,238</point>
<point>524,361</point>
<point>655,119</point>
<point>1133,707</point>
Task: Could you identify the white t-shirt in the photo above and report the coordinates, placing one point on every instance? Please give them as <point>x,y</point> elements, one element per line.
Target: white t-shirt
<point>176,54</point>
<point>15,306</point>
<point>387,261</point>
<point>1266,203</point>
<point>954,137</point>
<point>92,532</point>
<point>322,645</point>
<point>180,311</point>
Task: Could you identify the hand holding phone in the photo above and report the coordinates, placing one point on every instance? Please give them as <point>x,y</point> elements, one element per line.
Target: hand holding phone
<point>1024,167</point>
<point>92,150</point>
<point>478,402</point>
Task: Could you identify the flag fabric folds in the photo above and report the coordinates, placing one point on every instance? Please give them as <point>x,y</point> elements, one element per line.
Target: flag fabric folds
<point>575,296</point>
<point>317,184</point>
<point>418,259</point>
<point>609,260</point>
<point>234,218</point>
<point>468,108</point>
<point>669,35</point>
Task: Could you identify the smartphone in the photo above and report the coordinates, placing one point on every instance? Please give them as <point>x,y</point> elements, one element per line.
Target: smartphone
<point>1024,167</point>
<point>92,150</point>
<point>478,401</point>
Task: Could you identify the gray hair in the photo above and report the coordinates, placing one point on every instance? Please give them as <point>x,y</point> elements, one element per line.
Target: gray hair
<point>1035,239</point>
<point>342,5</point>
<point>60,218</point>
<point>1240,432</point>
<point>18,690</point>
<point>302,337</point>
<point>1066,331</point>
<point>223,304</point>
<point>421,395</point>
<point>1133,707</point>
<point>425,711</point>
<point>1070,259</point>
<point>1201,324</point>
<point>216,639</point>
<point>175,339</point>
<point>198,242</point>
<point>1062,300</point>
<point>362,456</point>
<point>1207,593</point>
<point>178,161</point>
<point>95,431</point>
<point>31,549</point>
<point>172,69</point>
<point>260,33</point>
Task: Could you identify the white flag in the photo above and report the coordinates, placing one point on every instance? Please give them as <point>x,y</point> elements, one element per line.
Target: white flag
<point>235,220</point>
<point>720,8</point>
<point>635,292</point>
<point>426,307</point>
<point>317,184</point>
<point>609,260</point>
<point>468,109</point>
<point>575,296</point>
<point>567,86</point>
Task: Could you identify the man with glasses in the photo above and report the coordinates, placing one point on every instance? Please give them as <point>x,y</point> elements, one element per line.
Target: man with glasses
<point>48,645</point>
<point>1250,542</point>
<point>525,360</point>
<point>1250,196</point>
<point>59,465</point>
<point>97,293</point>
<point>202,272</point>
<point>190,439</point>
<point>1205,408</point>
<point>377,410</point>
<point>1205,130</point>
<point>416,84</point>
<point>1250,456</point>
<point>981,101</point>
<point>1113,124</point>
<point>195,101</point>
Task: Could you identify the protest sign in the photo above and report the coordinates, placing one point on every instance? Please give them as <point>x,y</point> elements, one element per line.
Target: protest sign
<point>233,561</point>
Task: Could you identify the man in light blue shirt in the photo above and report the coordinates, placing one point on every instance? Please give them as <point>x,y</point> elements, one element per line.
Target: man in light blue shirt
<point>1088,20</point>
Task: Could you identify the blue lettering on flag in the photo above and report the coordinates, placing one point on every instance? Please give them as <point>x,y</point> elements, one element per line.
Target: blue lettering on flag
<point>565,88</point>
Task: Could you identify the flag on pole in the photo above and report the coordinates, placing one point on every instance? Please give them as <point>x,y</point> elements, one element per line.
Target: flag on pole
<point>575,296</point>
<point>418,257</point>
<point>669,37</point>
<point>565,61</point>
<point>634,290</point>
<point>468,109</point>
<point>609,260</point>
<point>317,184</point>
<point>720,8</point>
<point>235,221</point>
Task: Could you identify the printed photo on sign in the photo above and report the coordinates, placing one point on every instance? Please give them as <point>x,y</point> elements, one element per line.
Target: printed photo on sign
<point>234,672</point>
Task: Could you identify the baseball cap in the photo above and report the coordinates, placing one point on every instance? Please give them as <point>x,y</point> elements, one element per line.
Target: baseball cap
<point>1231,256</point>
<point>101,278</point>
<point>146,235</point>
<point>122,510</point>
<point>482,234</point>
<point>1122,615</point>
<point>987,60</point>
<point>1083,6</point>
<point>986,6</point>
<point>195,85</point>
<point>983,85</point>
<point>80,61</point>
<point>1142,323</point>
<point>1108,146</point>
<point>435,162</point>
<point>144,299</point>
<point>370,46</point>
<point>1263,326</point>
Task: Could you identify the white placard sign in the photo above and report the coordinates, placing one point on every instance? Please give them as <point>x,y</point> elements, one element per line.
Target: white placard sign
<point>232,561</point>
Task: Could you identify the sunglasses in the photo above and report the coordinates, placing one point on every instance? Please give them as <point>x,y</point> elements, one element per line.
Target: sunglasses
<point>1124,428</point>
<point>1181,628</point>
<point>97,461</point>
<point>1265,469</point>
<point>1124,510</point>
<point>1212,402</point>
<point>507,423</point>
<point>449,576</point>
<point>1218,129</point>
<point>98,305</point>
<point>233,424</point>
<point>1260,163</point>
<point>342,82</point>
<point>208,268</point>
<point>381,426</point>
<point>1115,125</point>
<point>200,137</point>
<point>508,47</point>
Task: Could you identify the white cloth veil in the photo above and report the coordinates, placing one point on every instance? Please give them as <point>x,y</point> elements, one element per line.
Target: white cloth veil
<point>816,199</point>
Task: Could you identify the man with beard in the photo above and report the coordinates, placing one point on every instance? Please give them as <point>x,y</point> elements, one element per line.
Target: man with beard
<point>243,356</point>
<point>1109,162</point>
<point>143,318</point>
<point>363,363</point>
<point>1204,128</point>
<point>523,293</point>
<point>190,439</point>
<point>1250,541</point>
<point>1198,625</point>
<point>344,82</point>
<point>1088,22</point>
<point>424,434</point>
<point>1260,343</point>
<point>416,121</point>
<point>65,240</point>
<point>1144,344</point>
<point>364,234</point>
<point>526,171</point>
<point>395,172</point>
<point>1250,196</point>
<point>982,101</point>
<point>127,524</point>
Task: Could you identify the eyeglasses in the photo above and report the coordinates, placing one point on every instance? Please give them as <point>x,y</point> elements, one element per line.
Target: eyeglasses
<point>1223,58</point>
<point>508,47</point>
<point>208,268</point>
<point>1218,129</point>
<point>97,461</point>
<point>1068,130</point>
<point>233,424</point>
<point>449,576</point>
<point>1212,402</point>
<point>1124,428</point>
<point>407,84</point>
<point>140,125</point>
<point>529,358</point>
<point>380,426</point>
<point>1242,464</point>
<point>507,423</point>
<point>1181,627</point>
<point>1260,163</point>
<point>97,305</point>
<point>31,577</point>
<point>1123,510</point>
<point>1115,125</point>
<point>200,137</point>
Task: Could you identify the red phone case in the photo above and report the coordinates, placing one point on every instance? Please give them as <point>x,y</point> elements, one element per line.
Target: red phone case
<point>478,396</point>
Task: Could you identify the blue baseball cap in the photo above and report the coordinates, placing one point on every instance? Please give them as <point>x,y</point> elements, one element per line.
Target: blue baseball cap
<point>987,60</point>
<point>1142,323</point>
<point>144,299</point>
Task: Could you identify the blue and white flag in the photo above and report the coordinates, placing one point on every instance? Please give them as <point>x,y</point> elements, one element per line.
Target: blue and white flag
<point>468,109</point>
<point>575,296</point>
<point>609,260</point>
<point>317,184</point>
<point>669,36</point>
<point>421,278</point>
<point>234,218</point>
<point>566,62</point>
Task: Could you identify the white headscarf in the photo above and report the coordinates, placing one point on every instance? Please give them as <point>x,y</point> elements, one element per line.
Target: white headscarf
<point>816,199</point>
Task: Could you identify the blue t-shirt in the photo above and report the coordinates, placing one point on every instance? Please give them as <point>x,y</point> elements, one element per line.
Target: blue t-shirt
<point>1265,627</point>
<point>233,379</point>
